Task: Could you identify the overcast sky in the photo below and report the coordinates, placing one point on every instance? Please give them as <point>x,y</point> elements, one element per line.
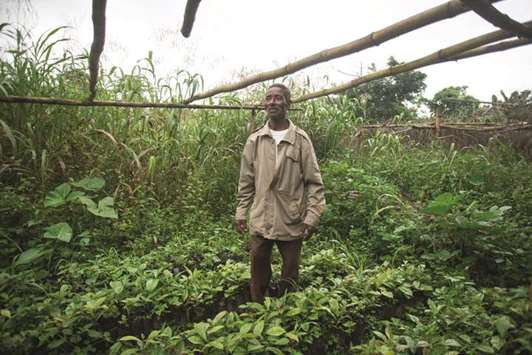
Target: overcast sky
<point>245,36</point>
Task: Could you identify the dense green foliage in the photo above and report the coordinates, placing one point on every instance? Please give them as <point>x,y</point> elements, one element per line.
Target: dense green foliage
<point>453,102</point>
<point>117,234</point>
<point>390,97</point>
<point>515,107</point>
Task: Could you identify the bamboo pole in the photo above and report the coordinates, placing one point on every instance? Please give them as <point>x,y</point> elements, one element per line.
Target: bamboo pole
<point>189,17</point>
<point>489,13</point>
<point>100,103</point>
<point>501,46</point>
<point>67,102</point>
<point>445,11</point>
<point>98,22</point>
<point>440,56</point>
<point>504,128</point>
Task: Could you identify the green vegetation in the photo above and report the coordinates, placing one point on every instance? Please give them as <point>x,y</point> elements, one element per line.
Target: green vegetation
<point>453,102</point>
<point>388,98</point>
<point>117,234</point>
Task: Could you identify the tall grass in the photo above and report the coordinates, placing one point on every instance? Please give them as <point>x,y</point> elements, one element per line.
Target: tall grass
<point>181,156</point>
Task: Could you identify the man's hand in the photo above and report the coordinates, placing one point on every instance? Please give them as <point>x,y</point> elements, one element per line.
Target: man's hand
<point>308,231</point>
<point>241,226</point>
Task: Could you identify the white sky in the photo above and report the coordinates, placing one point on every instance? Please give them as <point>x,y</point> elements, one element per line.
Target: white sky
<point>234,36</point>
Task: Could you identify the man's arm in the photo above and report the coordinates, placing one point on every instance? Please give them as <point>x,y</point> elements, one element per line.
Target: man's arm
<point>314,186</point>
<point>246,187</point>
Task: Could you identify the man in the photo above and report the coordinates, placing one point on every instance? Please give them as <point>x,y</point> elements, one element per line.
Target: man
<point>281,181</point>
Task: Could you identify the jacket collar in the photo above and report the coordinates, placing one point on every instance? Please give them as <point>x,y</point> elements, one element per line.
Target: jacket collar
<point>290,136</point>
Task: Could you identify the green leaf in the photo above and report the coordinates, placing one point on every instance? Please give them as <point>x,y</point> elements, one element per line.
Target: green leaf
<point>503,324</point>
<point>90,183</point>
<point>215,329</point>
<point>246,328</point>
<point>151,284</point>
<point>104,208</point>
<point>387,293</point>
<point>276,331</point>
<point>219,316</point>
<point>117,286</point>
<point>106,202</point>
<point>56,343</point>
<point>259,327</point>
<point>217,344</point>
<point>485,348</point>
<point>87,201</point>
<point>5,313</point>
<point>61,231</point>
<point>255,347</point>
<point>452,342</point>
<point>201,329</point>
<point>281,341</point>
<point>195,340</point>
<point>58,196</point>
<point>294,312</point>
<point>75,195</point>
<point>30,256</point>
<point>84,241</point>
<point>292,336</point>
<point>130,338</point>
<point>274,350</point>
<point>442,204</point>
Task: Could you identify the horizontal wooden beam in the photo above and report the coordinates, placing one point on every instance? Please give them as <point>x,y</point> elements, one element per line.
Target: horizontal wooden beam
<point>100,103</point>
<point>443,55</point>
<point>456,126</point>
<point>498,47</point>
<point>445,11</point>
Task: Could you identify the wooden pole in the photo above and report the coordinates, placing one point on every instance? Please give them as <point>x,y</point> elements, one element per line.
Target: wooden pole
<point>98,22</point>
<point>189,17</point>
<point>489,13</point>
<point>440,56</point>
<point>501,46</point>
<point>101,103</point>
<point>447,10</point>
<point>437,126</point>
<point>252,122</point>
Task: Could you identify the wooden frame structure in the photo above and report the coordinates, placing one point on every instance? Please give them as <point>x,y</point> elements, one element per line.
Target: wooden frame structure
<point>487,43</point>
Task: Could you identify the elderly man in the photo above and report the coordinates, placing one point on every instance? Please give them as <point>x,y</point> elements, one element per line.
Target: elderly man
<point>281,181</point>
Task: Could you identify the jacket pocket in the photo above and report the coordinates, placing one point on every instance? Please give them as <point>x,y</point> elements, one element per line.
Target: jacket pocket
<point>290,175</point>
<point>290,209</point>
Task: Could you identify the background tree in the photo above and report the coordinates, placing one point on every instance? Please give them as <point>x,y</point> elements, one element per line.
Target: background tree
<point>386,98</point>
<point>516,107</point>
<point>453,102</point>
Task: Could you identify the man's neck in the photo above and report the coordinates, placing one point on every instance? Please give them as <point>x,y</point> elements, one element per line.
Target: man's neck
<point>279,124</point>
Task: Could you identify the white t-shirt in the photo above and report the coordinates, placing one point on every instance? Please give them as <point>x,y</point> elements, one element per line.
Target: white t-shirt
<point>278,137</point>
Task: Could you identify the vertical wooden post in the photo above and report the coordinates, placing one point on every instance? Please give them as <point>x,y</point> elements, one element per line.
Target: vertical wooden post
<point>98,21</point>
<point>252,125</point>
<point>437,126</point>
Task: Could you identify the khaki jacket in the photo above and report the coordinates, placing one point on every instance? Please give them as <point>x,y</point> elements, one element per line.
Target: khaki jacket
<point>285,198</point>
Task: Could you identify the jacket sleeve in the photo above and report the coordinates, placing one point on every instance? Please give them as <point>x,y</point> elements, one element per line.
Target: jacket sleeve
<point>246,183</point>
<point>315,197</point>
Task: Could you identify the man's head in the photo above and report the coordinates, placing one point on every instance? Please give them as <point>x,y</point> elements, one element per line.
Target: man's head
<point>277,101</point>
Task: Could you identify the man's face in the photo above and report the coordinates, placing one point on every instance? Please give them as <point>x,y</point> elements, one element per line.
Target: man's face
<point>276,104</point>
